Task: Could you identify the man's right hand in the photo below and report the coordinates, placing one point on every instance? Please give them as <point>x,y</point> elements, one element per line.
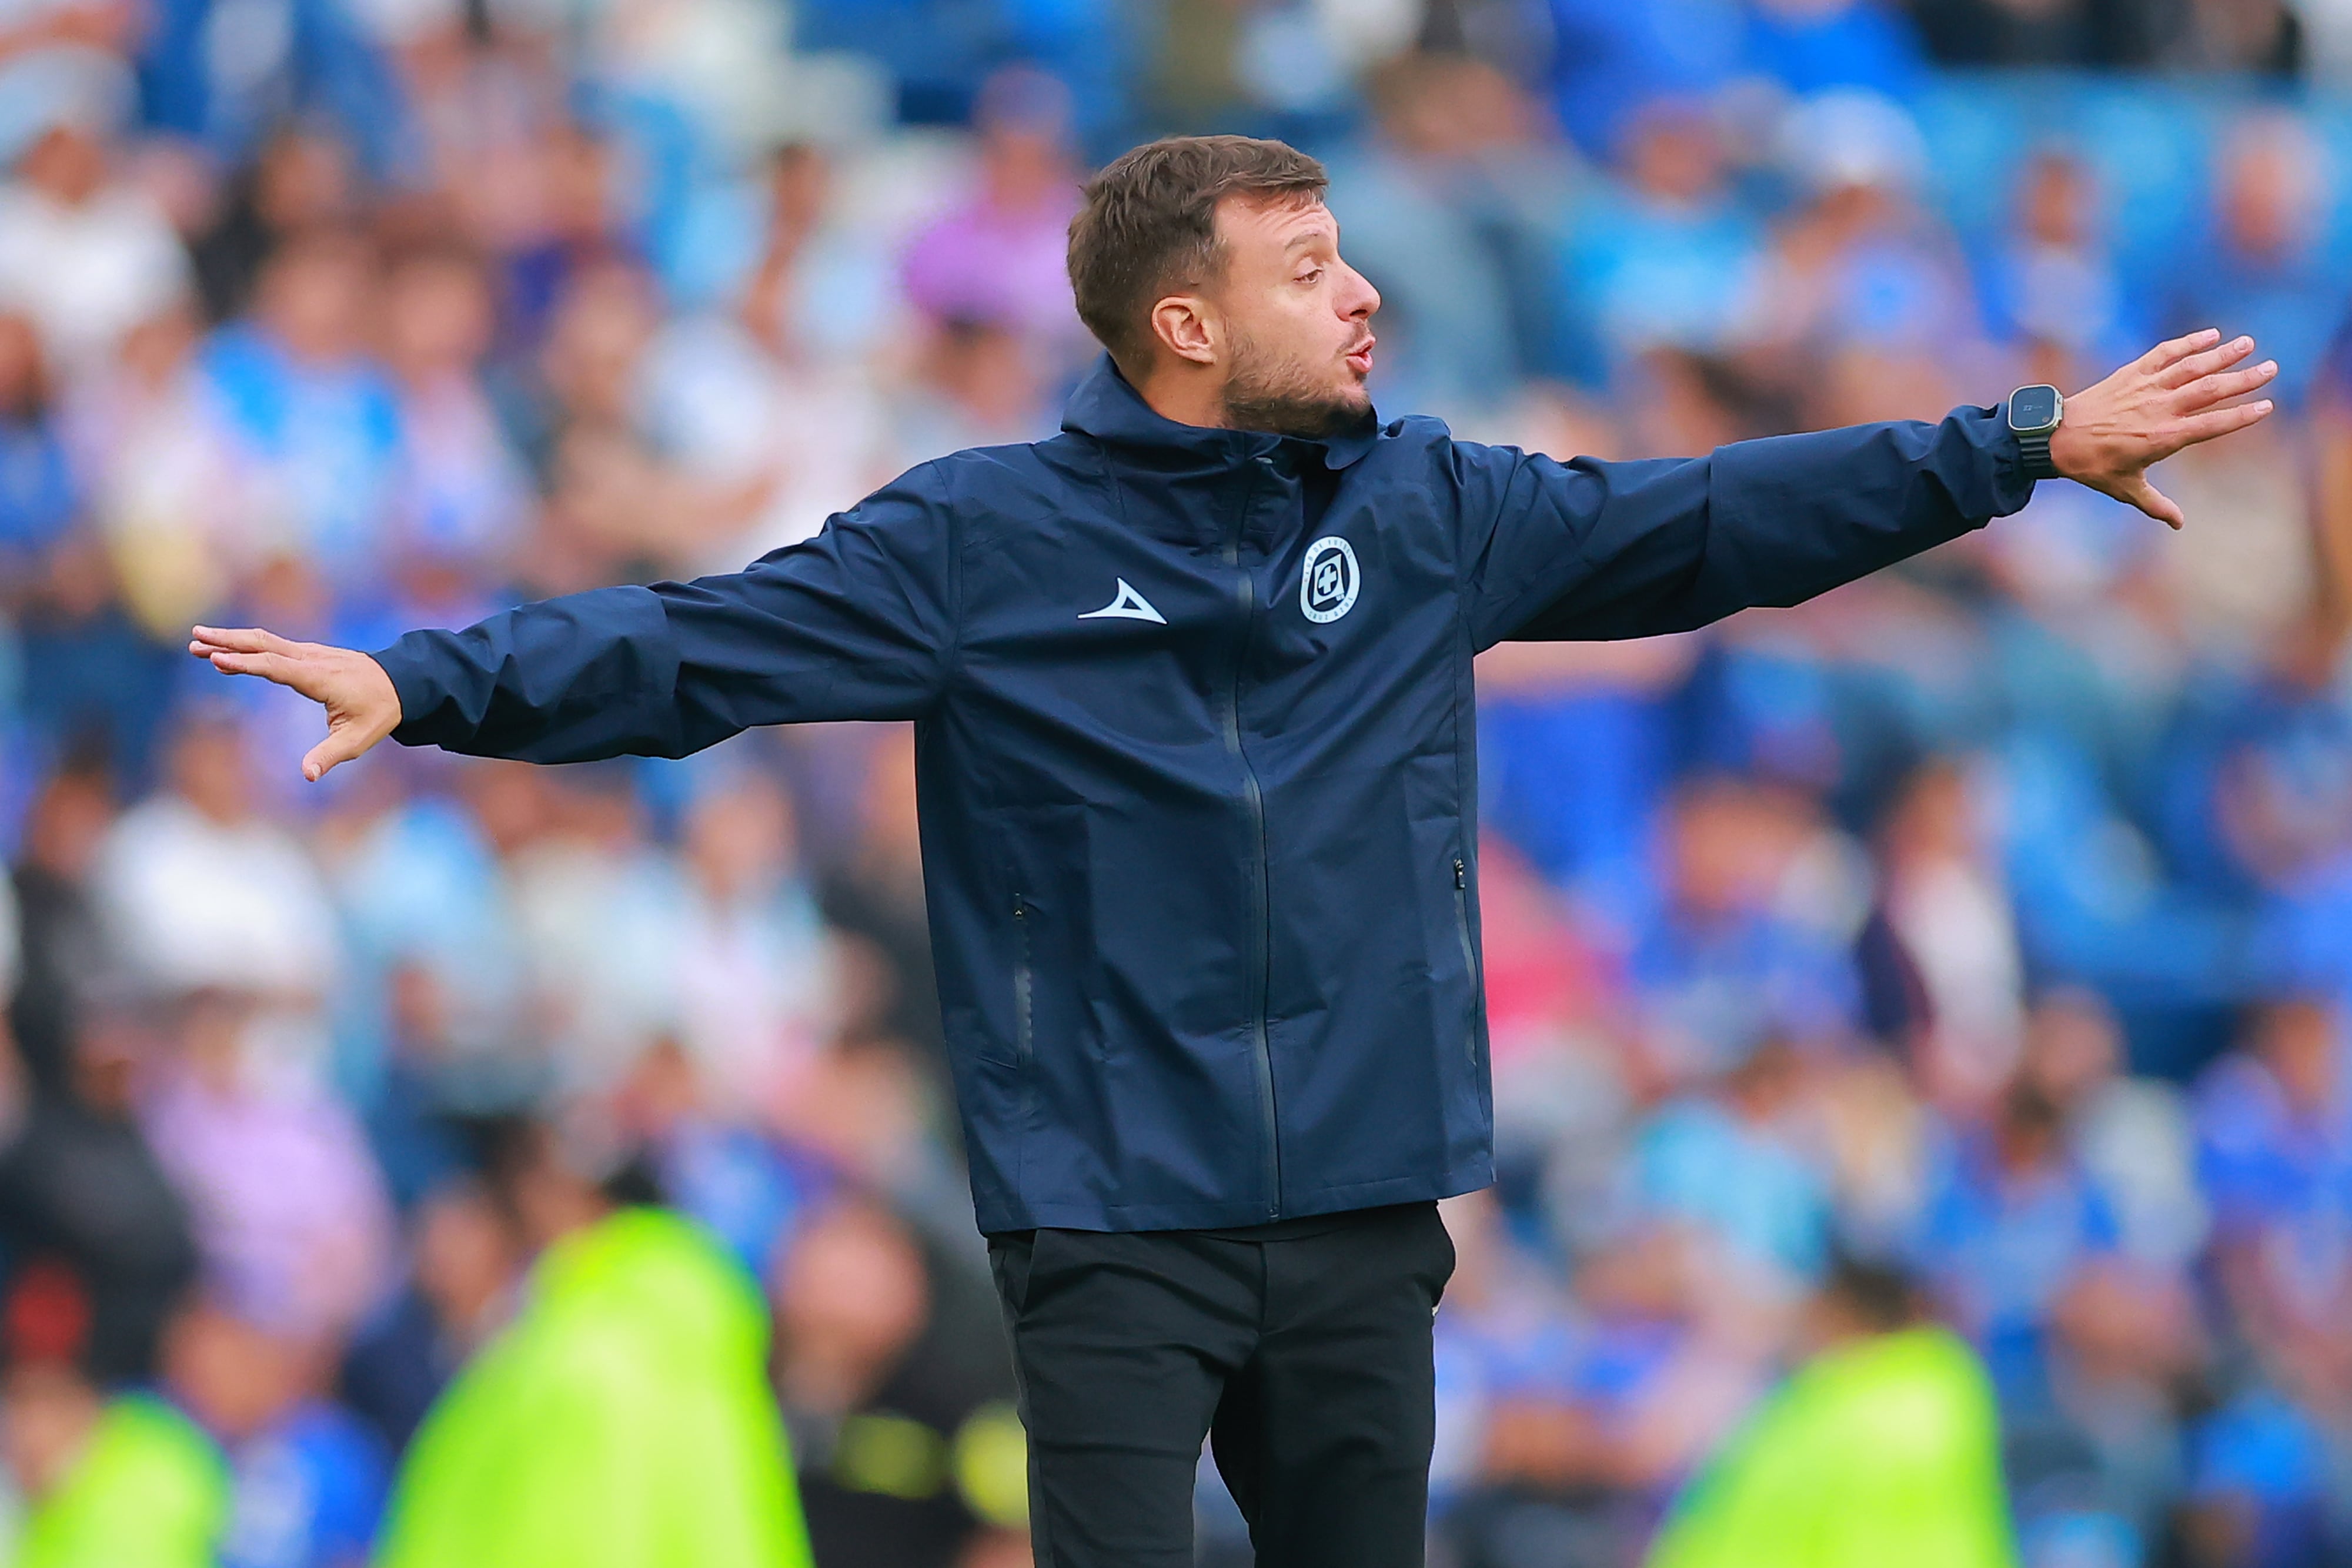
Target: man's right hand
<point>361,706</point>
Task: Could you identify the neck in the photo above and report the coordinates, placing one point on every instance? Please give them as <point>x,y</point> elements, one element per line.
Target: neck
<point>1192,399</point>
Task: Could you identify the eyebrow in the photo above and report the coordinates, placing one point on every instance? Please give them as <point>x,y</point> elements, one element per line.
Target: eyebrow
<point>1307,237</point>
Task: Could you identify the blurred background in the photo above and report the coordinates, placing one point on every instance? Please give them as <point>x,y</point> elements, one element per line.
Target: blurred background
<point>1992,916</point>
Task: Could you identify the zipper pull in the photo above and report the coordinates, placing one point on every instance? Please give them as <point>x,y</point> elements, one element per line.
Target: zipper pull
<point>1021,905</point>
<point>1461,877</point>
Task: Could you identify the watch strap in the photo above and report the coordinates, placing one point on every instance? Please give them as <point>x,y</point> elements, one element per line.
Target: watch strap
<point>2036,450</point>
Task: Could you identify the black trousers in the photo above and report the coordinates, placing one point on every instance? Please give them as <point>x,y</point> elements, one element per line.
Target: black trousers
<point>1301,1352</point>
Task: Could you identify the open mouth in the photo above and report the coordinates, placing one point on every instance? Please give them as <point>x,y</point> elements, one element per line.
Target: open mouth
<point>1360,356</point>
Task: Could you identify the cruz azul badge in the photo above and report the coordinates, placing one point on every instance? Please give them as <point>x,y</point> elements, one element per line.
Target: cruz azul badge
<point>1329,581</point>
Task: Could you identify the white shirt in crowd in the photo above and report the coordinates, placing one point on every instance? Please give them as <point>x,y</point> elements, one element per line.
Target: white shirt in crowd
<point>198,904</point>
<point>85,274</point>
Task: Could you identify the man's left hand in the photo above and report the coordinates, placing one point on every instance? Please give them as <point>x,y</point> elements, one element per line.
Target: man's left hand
<point>2176,395</point>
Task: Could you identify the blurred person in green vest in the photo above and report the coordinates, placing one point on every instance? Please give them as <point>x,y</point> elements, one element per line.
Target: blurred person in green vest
<point>623,1419</point>
<point>1882,1448</point>
<point>100,1482</point>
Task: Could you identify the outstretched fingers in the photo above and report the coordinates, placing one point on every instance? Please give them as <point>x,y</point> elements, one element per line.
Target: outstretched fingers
<point>268,666</point>
<point>2168,353</point>
<point>203,641</point>
<point>250,650</point>
<point>2193,366</point>
<point>2207,390</point>
<point>2221,422</point>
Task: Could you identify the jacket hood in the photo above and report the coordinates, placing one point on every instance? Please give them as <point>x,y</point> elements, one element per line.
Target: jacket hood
<point>1105,407</point>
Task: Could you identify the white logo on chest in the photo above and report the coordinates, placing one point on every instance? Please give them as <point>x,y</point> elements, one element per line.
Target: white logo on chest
<point>1126,605</point>
<point>1328,579</point>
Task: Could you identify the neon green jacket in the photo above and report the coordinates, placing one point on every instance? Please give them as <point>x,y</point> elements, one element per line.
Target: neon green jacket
<point>1878,1453</point>
<point>622,1420</point>
<point>150,1491</point>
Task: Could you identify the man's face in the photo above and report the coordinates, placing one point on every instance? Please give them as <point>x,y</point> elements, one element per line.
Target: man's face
<point>1296,336</point>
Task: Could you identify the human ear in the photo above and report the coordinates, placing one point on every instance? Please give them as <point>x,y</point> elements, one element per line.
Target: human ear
<point>1183,323</point>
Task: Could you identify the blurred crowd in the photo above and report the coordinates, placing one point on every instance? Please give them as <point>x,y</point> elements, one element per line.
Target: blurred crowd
<point>1991,919</point>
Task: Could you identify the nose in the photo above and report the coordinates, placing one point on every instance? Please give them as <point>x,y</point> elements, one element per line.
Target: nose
<point>1359,300</point>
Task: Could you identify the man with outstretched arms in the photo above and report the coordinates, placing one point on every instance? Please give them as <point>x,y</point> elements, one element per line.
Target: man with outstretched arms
<point>1192,695</point>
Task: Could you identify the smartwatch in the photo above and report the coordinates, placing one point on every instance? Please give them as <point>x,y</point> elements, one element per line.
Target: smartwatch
<point>2033,415</point>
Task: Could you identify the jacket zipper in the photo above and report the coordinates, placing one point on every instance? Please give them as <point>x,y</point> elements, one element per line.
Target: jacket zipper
<point>1469,953</point>
<point>1024,985</point>
<point>1261,914</point>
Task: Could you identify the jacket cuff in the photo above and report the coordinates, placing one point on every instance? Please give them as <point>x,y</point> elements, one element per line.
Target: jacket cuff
<point>415,686</point>
<point>2012,486</point>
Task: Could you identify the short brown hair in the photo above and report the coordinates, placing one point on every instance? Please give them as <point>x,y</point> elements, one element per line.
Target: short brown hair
<point>1150,222</point>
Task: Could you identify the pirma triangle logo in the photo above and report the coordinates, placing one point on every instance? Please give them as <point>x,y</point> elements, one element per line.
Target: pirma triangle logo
<point>1126,605</point>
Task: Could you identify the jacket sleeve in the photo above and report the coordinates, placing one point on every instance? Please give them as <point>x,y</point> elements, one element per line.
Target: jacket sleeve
<point>857,623</point>
<point>1592,550</point>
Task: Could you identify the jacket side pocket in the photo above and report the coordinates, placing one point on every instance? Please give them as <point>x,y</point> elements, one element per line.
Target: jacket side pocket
<point>1024,984</point>
<point>1469,949</point>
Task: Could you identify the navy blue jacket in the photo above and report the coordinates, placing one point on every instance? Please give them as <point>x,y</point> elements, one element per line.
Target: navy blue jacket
<point>1195,752</point>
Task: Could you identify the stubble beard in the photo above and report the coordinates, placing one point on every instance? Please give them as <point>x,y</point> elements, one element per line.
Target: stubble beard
<point>1280,398</point>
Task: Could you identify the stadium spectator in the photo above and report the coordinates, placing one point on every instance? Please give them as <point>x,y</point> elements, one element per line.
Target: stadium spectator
<point>300,181</point>
<point>774,388</point>
<point>998,260</point>
<point>203,893</point>
<point>292,1220</point>
<point>1865,293</point>
<point>83,1194</point>
<point>754,1000</point>
<point>2132,1135</point>
<point>2052,280</point>
<point>653,1343</point>
<point>1671,260</point>
<point>66,960</point>
<point>1726,968</point>
<point>172,499</point>
<point>84,253</point>
<point>464,1271</point>
<point>306,1478</point>
<point>1882,1443</point>
<point>462,498</point>
<point>2010,1221</point>
<point>2263,267</point>
<point>1952,944</point>
<point>595,922</point>
<point>122,1481</point>
<point>909,1454</point>
<point>39,489</point>
<point>306,404</point>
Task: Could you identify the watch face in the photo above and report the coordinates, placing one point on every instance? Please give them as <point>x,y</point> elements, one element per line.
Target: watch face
<point>2034,408</point>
